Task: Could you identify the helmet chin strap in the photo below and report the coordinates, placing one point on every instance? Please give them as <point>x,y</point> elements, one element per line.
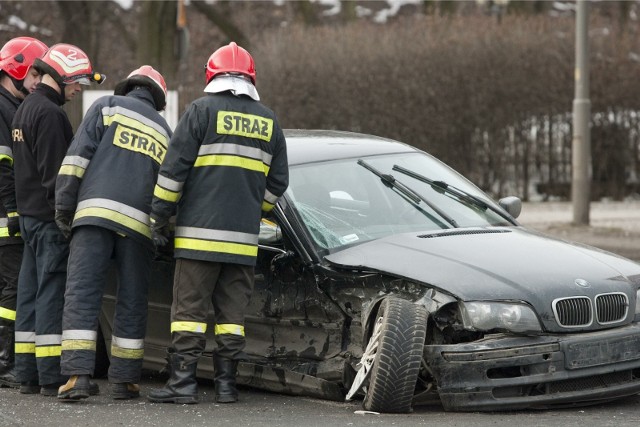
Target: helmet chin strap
<point>19,85</point>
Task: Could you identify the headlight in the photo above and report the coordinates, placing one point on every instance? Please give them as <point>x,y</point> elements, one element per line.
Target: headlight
<point>485,316</point>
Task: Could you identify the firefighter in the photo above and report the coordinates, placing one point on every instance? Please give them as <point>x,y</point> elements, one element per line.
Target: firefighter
<point>41,134</point>
<point>17,79</point>
<point>103,197</point>
<point>226,165</point>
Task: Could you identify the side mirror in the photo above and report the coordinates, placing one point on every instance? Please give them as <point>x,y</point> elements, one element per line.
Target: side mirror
<point>511,204</point>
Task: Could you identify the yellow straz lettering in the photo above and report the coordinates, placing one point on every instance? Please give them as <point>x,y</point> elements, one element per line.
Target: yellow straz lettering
<point>16,135</point>
<point>248,125</point>
<point>135,141</point>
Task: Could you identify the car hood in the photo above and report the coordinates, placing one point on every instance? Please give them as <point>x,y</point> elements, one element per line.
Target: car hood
<point>497,263</point>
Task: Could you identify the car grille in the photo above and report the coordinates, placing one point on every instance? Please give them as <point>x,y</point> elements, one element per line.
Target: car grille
<point>611,308</point>
<point>578,311</point>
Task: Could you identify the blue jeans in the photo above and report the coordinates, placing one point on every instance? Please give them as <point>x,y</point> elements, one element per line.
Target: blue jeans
<point>40,302</point>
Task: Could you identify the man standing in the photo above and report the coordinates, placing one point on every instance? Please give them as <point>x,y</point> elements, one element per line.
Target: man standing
<point>226,165</point>
<point>104,192</point>
<point>41,135</point>
<point>17,79</point>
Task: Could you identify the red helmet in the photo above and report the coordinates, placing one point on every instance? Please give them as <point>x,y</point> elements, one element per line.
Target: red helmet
<point>68,64</point>
<point>230,59</point>
<point>18,54</point>
<point>148,77</point>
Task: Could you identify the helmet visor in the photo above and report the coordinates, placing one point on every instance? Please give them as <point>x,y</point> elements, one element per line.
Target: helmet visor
<point>85,79</point>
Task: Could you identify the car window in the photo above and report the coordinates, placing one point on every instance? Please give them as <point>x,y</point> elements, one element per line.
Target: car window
<point>342,203</point>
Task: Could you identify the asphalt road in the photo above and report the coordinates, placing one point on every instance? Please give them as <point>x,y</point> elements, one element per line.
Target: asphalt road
<point>266,409</point>
<point>614,226</point>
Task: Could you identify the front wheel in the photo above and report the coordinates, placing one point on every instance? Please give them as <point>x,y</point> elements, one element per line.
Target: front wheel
<point>402,331</point>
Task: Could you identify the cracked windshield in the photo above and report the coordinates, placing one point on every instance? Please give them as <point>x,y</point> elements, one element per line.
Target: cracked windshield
<point>352,201</point>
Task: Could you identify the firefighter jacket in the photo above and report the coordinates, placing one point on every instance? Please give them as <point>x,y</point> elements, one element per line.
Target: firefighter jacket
<point>111,168</point>
<point>226,164</point>
<point>8,106</point>
<point>41,135</point>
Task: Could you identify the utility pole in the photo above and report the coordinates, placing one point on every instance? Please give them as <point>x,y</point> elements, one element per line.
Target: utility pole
<point>581,143</point>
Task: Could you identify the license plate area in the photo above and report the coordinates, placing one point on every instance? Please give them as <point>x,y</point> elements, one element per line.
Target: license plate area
<point>602,352</point>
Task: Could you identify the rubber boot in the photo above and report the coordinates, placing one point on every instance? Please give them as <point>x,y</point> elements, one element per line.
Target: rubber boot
<point>224,379</point>
<point>7,370</point>
<point>182,386</point>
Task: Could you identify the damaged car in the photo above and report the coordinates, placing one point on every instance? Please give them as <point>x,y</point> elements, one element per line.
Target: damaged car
<point>386,276</point>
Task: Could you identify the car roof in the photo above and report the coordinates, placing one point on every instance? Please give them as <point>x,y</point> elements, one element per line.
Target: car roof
<point>310,146</point>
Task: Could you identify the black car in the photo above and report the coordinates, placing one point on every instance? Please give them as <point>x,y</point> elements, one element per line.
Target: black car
<point>385,275</point>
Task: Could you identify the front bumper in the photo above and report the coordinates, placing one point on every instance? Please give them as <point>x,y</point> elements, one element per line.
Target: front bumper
<point>506,373</point>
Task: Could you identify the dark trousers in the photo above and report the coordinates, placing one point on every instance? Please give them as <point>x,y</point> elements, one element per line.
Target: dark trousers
<point>92,251</point>
<point>10,260</point>
<point>198,284</point>
<point>40,302</point>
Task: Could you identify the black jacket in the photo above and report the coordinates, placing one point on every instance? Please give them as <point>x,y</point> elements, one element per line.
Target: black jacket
<point>109,172</point>
<point>8,106</point>
<point>41,136</point>
<point>226,165</point>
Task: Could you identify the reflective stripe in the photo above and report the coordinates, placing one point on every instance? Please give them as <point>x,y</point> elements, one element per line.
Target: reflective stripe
<point>236,150</point>
<point>224,235</point>
<point>128,342</point>
<point>167,195</point>
<point>6,153</point>
<point>79,334</point>
<point>229,328</point>
<point>126,353</point>
<point>48,339</point>
<point>74,166</point>
<point>127,348</point>
<point>8,314</point>
<point>128,216</point>
<point>183,326</point>
<point>25,348</point>
<point>231,242</point>
<point>47,345</point>
<point>4,231</point>
<point>170,184</point>
<point>134,120</point>
<point>270,197</point>
<point>232,161</point>
<point>12,214</point>
<point>25,336</point>
<point>69,345</point>
<point>49,351</point>
<point>223,247</point>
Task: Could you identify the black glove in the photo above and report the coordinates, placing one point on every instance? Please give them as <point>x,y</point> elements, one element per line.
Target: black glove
<point>159,231</point>
<point>63,221</point>
<point>13,224</point>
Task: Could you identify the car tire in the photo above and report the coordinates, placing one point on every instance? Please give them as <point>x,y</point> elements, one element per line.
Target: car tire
<point>398,357</point>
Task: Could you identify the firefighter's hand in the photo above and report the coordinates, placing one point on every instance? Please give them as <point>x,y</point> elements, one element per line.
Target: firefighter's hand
<point>63,221</point>
<point>13,224</point>
<point>159,231</point>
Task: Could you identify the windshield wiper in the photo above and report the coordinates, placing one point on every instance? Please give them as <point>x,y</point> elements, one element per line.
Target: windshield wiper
<point>412,195</point>
<point>442,186</point>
